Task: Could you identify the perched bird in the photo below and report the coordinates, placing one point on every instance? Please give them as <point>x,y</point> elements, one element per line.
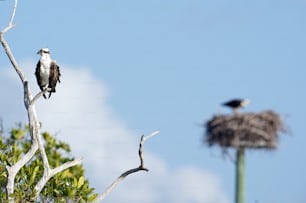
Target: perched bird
<point>237,104</point>
<point>47,72</point>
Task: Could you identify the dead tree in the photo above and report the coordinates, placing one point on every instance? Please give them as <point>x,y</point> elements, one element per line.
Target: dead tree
<point>243,131</point>
<point>36,139</point>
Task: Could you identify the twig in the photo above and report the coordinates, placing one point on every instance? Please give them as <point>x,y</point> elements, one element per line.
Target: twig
<point>10,24</point>
<point>128,172</point>
<point>227,154</point>
<point>7,48</point>
<point>142,140</point>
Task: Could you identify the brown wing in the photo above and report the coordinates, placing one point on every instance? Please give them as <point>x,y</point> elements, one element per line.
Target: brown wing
<point>59,73</point>
<point>38,78</point>
<point>54,76</point>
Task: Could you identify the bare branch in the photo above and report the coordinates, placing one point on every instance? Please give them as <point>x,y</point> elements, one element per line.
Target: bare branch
<point>10,24</point>
<point>14,169</point>
<point>11,57</point>
<point>142,140</point>
<point>7,48</point>
<point>128,172</point>
<point>43,154</point>
<point>49,173</point>
<point>67,165</point>
<point>227,154</point>
<point>150,135</point>
<point>38,96</point>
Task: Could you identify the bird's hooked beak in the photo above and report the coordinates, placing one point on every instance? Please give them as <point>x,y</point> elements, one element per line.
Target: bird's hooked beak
<point>39,52</point>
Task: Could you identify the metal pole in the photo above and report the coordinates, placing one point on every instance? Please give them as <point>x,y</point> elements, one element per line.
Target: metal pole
<point>240,176</point>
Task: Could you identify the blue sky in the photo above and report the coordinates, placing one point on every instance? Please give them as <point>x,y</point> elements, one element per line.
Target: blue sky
<point>167,65</point>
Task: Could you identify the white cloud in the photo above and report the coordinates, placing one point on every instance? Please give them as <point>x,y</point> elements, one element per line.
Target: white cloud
<point>194,185</point>
<point>79,113</point>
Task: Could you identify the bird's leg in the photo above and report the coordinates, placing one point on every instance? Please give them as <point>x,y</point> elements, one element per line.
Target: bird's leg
<point>45,87</point>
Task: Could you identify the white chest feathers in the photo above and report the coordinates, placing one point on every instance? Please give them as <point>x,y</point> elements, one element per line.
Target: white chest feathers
<point>45,62</point>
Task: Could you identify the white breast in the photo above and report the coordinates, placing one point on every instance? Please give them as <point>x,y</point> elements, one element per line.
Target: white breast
<point>45,70</point>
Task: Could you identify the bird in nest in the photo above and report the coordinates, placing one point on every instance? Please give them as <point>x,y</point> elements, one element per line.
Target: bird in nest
<point>236,104</point>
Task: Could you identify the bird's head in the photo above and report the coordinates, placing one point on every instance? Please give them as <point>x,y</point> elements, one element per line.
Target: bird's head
<point>44,51</point>
<point>245,102</point>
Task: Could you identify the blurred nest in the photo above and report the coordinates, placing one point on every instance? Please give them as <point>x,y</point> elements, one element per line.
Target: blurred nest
<point>249,130</point>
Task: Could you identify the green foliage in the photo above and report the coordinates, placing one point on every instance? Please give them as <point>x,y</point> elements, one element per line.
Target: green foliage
<point>67,186</point>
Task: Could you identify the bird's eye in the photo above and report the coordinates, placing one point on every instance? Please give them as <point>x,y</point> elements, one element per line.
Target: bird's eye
<point>46,52</point>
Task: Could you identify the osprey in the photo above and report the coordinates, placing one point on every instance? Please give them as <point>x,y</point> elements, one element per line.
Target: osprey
<point>237,104</point>
<point>47,72</point>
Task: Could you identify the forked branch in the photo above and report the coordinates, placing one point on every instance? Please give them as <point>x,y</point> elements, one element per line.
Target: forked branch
<point>10,23</point>
<point>49,173</point>
<point>6,46</point>
<point>141,167</point>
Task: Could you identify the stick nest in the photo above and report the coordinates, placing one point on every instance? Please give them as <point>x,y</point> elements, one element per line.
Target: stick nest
<point>249,130</point>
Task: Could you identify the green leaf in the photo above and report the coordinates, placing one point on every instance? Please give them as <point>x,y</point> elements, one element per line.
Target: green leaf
<point>71,192</point>
<point>67,186</point>
<point>18,134</point>
<point>81,182</point>
<point>56,191</point>
<point>92,197</point>
<point>82,201</point>
<point>88,191</point>
<point>66,174</point>
<point>15,148</point>
<point>75,182</point>
<point>34,174</point>
<point>3,174</point>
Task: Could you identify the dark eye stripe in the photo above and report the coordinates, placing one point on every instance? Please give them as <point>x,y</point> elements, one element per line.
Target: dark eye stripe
<point>46,52</point>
